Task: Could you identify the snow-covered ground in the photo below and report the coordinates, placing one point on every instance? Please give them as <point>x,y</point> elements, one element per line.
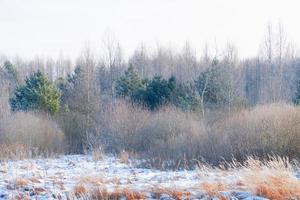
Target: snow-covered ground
<point>57,178</point>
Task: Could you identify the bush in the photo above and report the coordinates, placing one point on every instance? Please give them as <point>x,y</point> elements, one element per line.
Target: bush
<point>265,129</point>
<point>38,133</point>
<point>4,105</point>
<point>177,138</point>
<point>168,134</point>
<point>76,127</point>
<point>121,126</point>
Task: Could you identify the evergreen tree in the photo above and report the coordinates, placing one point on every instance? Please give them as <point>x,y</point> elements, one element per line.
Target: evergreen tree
<point>37,94</point>
<point>158,92</point>
<point>186,97</point>
<point>129,84</point>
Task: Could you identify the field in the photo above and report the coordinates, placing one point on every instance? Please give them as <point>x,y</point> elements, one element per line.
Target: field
<point>107,177</point>
<point>163,117</point>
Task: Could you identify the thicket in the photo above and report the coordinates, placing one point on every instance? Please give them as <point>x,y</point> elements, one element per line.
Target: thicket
<point>27,134</point>
<point>171,137</point>
<point>163,106</point>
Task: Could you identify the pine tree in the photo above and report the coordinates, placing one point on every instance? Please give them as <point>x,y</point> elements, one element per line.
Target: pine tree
<point>37,94</point>
<point>129,84</point>
<point>158,92</point>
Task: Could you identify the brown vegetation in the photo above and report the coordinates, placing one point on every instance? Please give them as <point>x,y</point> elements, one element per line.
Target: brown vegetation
<point>28,135</point>
<point>170,137</point>
<point>263,130</point>
<point>213,188</point>
<point>273,179</point>
<point>25,134</point>
<point>168,134</point>
<point>20,182</point>
<point>173,193</point>
<point>80,190</point>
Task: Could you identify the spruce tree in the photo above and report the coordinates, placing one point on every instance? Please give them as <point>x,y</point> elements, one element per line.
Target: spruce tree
<point>38,94</point>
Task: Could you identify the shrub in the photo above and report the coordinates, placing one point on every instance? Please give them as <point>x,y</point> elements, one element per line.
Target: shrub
<point>36,133</point>
<point>121,125</point>
<point>24,134</point>
<point>172,136</point>
<point>168,134</point>
<point>263,130</point>
<point>4,105</point>
<point>75,126</point>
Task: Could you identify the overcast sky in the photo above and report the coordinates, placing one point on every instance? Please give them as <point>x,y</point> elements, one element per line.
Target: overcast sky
<point>48,27</point>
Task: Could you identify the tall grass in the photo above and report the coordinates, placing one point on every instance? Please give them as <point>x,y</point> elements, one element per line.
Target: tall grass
<point>273,179</point>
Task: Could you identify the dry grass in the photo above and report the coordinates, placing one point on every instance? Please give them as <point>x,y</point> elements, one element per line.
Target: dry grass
<point>97,154</point>
<point>95,188</point>
<point>39,190</point>
<point>35,180</point>
<point>20,182</point>
<point>101,193</point>
<point>22,196</point>
<point>127,157</point>
<point>273,179</point>
<point>124,157</point>
<point>213,188</point>
<point>131,194</point>
<point>173,193</point>
<point>80,190</point>
<point>14,151</point>
<point>94,181</point>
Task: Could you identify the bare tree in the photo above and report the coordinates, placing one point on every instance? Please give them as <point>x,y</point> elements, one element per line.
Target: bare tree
<point>112,58</point>
<point>50,69</point>
<point>231,54</point>
<point>189,68</point>
<point>140,61</point>
<point>281,43</point>
<point>267,47</point>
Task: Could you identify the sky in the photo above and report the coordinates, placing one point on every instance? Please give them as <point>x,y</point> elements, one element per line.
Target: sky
<point>49,28</point>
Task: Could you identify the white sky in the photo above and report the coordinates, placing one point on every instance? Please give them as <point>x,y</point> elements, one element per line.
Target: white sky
<point>48,27</point>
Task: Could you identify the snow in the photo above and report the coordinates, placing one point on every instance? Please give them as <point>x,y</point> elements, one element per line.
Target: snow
<point>60,175</point>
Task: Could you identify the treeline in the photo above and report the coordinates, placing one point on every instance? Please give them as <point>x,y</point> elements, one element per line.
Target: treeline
<point>193,83</point>
<point>164,104</point>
